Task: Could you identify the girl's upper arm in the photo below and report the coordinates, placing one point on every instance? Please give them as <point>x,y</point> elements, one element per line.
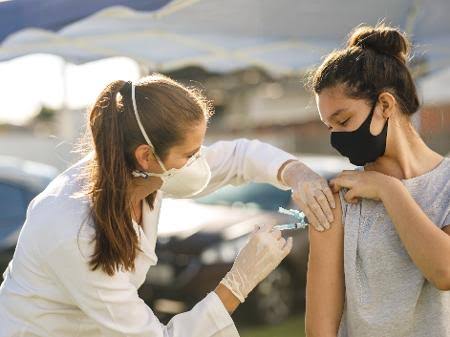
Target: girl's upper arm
<point>325,290</point>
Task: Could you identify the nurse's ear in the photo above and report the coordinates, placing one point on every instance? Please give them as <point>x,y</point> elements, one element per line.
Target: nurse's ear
<point>146,160</point>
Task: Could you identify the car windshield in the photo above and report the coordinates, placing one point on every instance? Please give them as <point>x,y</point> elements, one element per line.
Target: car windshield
<point>262,196</point>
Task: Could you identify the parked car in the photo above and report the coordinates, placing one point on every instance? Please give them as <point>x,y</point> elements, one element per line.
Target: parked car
<point>198,241</point>
<point>20,181</point>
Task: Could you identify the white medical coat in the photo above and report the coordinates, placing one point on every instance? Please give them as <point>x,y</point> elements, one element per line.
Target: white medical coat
<point>49,289</point>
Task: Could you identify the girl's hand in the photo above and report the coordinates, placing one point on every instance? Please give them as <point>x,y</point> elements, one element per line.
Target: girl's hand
<point>311,193</point>
<point>361,184</point>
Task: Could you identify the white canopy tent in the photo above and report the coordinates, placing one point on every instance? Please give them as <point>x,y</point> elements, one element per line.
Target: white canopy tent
<point>281,36</point>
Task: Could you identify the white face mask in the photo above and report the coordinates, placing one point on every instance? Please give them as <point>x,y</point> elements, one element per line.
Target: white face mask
<point>184,182</point>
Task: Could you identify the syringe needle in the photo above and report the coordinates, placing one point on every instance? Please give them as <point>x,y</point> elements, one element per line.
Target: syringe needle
<point>290,226</point>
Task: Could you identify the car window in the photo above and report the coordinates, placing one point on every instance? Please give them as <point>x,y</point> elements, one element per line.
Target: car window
<point>263,196</point>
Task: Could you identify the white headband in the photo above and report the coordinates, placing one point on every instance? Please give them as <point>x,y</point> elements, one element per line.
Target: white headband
<point>133,98</point>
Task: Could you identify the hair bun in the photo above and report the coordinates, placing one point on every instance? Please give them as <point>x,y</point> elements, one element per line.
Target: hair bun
<point>382,39</point>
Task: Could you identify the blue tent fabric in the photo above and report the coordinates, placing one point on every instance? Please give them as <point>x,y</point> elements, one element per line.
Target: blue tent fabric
<point>56,14</point>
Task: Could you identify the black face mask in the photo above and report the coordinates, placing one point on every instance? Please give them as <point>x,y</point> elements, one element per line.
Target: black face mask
<point>360,146</point>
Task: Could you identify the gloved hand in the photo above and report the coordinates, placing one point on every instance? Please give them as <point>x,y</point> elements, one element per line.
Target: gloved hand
<point>311,193</point>
<point>263,252</point>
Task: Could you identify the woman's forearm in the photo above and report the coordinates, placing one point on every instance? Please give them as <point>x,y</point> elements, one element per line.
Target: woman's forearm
<point>228,299</point>
<point>281,169</point>
<point>427,245</point>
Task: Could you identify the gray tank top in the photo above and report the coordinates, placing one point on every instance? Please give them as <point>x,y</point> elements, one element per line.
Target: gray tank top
<point>386,294</point>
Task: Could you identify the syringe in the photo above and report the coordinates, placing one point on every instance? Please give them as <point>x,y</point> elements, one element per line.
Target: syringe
<point>290,226</point>
<point>301,224</point>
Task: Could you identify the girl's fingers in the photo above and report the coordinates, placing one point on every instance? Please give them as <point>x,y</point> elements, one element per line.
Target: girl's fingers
<point>347,172</point>
<point>350,196</point>
<point>340,182</point>
<point>335,188</point>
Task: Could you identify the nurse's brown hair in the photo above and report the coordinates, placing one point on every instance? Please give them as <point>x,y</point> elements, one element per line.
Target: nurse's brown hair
<point>374,60</point>
<point>168,110</point>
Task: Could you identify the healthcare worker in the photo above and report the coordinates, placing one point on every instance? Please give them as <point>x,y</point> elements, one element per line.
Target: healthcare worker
<point>89,238</point>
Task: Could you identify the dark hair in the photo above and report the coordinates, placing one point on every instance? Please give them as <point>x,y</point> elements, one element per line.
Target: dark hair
<point>374,61</point>
<point>167,110</point>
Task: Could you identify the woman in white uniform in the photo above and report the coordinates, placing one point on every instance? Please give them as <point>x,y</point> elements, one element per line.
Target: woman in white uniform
<point>89,238</point>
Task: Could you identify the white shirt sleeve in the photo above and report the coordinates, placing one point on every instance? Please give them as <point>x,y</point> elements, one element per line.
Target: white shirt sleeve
<point>242,160</point>
<point>113,302</point>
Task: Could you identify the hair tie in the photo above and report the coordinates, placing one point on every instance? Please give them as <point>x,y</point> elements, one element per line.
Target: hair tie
<point>126,88</point>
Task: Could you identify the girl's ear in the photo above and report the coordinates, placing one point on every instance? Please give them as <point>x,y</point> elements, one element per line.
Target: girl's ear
<point>388,104</point>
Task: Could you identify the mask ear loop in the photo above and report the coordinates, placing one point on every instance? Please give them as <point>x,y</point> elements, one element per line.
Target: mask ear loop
<point>372,111</point>
<point>147,139</point>
<point>139,174</point>
<point>192,160</point>
<point>374,105</point>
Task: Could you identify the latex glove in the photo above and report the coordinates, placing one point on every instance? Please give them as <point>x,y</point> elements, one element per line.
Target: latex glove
<point>263,252</point>
<point>311,193</point>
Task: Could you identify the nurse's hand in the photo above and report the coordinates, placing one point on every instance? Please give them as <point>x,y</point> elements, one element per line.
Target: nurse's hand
<point>263,252</point>
<point>310,192</point>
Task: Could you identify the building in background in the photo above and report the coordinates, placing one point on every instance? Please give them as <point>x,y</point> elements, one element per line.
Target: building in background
<point>248,103</point>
